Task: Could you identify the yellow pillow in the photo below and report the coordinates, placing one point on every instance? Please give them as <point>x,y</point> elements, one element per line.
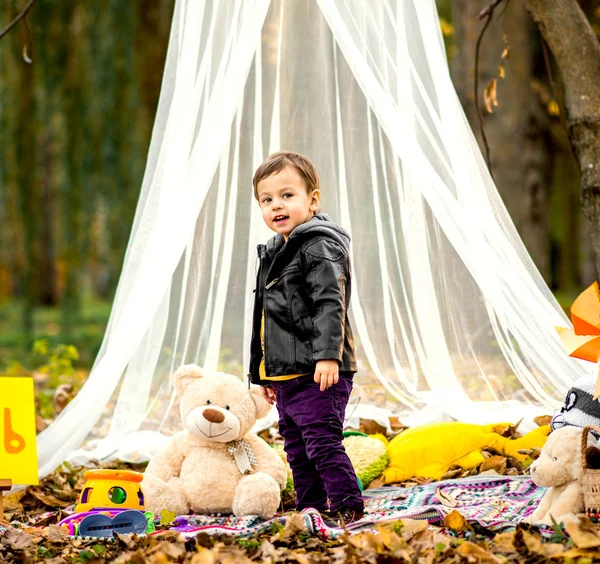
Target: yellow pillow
<point>430,450</point>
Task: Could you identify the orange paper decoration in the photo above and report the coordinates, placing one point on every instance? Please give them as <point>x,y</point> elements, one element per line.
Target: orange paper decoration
<point>583,341</point>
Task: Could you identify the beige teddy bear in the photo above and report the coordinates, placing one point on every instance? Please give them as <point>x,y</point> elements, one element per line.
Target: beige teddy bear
<point>215,465</point>
<point>559,469</point>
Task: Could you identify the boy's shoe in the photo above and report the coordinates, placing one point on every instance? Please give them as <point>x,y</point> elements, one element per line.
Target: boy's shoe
<point>343,516</point>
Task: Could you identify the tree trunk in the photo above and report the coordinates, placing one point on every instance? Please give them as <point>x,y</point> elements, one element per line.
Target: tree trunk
<point>28,205</point>
<point>47,273</point>
<point>517,129</point>
<point>577,52</point>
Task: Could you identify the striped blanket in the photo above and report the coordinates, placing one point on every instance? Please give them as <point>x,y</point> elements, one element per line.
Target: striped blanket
<point>496,503</point>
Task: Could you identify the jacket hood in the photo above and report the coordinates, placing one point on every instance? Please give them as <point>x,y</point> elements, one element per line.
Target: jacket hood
<point>319,224</point>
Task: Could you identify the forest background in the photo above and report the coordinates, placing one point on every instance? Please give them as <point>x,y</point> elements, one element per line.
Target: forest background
<point>79,85</point>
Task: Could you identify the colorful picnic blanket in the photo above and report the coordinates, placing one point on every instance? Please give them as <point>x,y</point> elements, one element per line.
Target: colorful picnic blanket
<point>497,503</point>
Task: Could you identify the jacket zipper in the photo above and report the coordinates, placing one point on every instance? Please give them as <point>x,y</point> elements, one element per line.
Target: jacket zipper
<point>271,283</point>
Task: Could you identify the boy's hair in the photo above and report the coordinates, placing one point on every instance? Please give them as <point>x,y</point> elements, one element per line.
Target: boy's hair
<point>278,161</point>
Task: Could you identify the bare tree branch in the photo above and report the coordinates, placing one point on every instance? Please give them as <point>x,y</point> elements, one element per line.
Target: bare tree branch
<point>17,19</point>
<point>488,14</point>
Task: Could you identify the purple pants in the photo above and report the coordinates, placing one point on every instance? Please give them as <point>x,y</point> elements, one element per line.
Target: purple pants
<point>311,423</point>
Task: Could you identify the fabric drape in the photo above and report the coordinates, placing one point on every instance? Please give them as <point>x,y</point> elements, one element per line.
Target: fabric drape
<point>448,308</point>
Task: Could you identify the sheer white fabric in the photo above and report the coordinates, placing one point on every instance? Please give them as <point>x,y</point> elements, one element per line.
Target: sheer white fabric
<point>448,308</point>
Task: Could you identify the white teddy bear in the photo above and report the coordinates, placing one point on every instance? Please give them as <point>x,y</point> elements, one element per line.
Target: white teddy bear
<point>215,465</point>
<point>559,468</point>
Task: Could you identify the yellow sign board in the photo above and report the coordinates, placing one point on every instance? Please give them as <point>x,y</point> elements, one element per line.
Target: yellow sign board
<point>18,452</point>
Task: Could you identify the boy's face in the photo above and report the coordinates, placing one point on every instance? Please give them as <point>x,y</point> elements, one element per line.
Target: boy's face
<point>284,201</point>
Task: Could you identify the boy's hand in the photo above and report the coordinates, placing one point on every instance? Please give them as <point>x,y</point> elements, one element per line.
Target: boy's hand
<point>269,394</point>
<point>327,373</point>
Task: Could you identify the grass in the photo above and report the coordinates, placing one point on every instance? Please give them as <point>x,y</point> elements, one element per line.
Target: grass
<point>16,346</point>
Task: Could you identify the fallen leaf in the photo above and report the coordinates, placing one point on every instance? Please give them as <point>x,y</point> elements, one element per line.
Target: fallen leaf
<point>56,534</point>
<point>12,501</point>
<point>371,427</point>
<point>456,521</point>
<point>496,462</point>
<point>541,420</point>
<point>294,523</point>
<point>395,424</point>
<point>413,528</point>
<point>302,559</point>
<point>421,480</point>
<point>173,550</point>
<point>17,540</point>
<point>453,473</point>
<point>203,556</point>
<point>583,532</point>
<point>376,483</point>
<point>501,72</point>
<point>586,556</point>
<point>167,518</point>
<point>49,500</point>
<point>535,545</point>
<point>553,108</point>
<point>203,539</point>
<point>62,396</point>
<point>468,548</point>
<point>502,429</point>
<point>445,499</point>
<point>40,424</point>
<point>489,473</point>
<point>490,96</point>
<point>366,541</point>
<point>268,552</point>
<point>391,540</point>
<point>158,558</point>
<point>504,542</point>
<point>129,541</point>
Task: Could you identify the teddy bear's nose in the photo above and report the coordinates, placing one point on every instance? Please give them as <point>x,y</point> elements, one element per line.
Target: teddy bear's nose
<point>213,416</point>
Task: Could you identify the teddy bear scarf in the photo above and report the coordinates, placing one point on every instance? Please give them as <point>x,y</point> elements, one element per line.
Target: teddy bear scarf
<point>243,455</point>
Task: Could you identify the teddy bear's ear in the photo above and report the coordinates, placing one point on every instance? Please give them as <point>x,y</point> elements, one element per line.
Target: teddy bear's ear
<point>185,375</point>
<point>262,407</point>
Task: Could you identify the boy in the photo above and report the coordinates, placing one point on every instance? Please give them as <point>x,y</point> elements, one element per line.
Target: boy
<point>302,351</point>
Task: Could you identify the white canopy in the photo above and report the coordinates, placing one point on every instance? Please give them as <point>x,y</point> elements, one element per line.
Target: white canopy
<point>448,308</point>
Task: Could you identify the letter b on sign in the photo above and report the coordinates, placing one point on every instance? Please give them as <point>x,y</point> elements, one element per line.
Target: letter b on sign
<point>13,442</point>
<point>18,455</point>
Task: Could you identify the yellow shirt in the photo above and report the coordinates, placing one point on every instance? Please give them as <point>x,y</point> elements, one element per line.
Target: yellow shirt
<point>261,369</point>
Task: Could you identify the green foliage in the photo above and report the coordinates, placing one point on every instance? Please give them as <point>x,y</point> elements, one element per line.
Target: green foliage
<point>167,518</point>
<point>99,549</point>
<point>59,360</point>
<point>277,528</point>
<point>86,555</point>
<point>51,366</point>
<point>44,552</point>
<point>558,534</point>
<point>248,544</point>
<point>18,348</point>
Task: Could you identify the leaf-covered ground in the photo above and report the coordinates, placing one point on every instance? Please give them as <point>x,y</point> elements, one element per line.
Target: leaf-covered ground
<point>31,533</point>
<point>396,541</point>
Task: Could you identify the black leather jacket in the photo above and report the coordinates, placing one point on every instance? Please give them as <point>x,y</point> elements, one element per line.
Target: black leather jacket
<point>303,286</point>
